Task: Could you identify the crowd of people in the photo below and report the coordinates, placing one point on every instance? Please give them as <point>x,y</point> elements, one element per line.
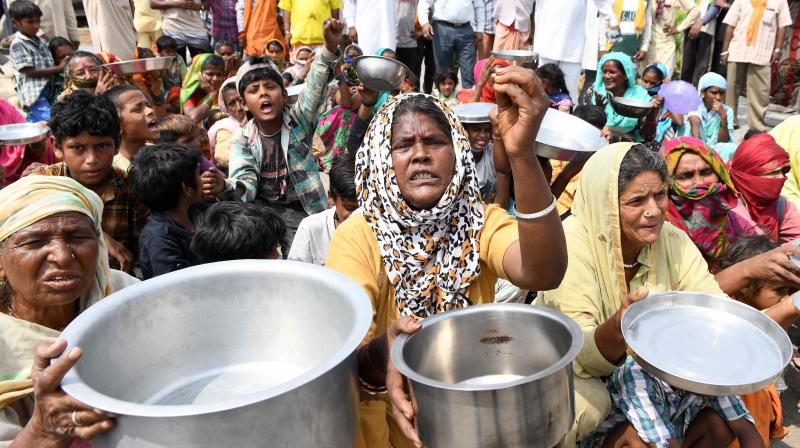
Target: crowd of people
<point>259,141</point>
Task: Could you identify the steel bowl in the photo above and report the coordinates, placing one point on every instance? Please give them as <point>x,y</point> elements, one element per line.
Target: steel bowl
<point>293,92</point>
<point>563,136</point>
<point>140,65</point>
<point>706,344</point>
<point>522,56</point>
<point>474,112</point>
<point>231,354</point>
<point>631,107</point>
<point>379,73</point>
<point>23,133</point>
<point>495,375</point>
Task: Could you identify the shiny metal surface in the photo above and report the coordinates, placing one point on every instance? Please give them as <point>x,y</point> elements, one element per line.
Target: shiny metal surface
<point>516,55</point>
<point>706,344</point>
<point>630,107</point>
<point>495,375</point>
<point>379,73</point>
<point>140,65</point>
<point>474,112</point>
<point>23,133</point>
<point>294,92</point>
<point>226,354</point>
<point>563,136</point>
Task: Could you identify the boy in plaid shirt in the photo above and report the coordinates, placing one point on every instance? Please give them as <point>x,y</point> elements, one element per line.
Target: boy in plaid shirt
<point>32,61</point>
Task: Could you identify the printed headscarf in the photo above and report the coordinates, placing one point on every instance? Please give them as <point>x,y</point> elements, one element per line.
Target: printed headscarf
<point>191,81</point>
<point>634,91</point>
<point>701,211</point>
<point>431,256</point>
<point>757,156</point>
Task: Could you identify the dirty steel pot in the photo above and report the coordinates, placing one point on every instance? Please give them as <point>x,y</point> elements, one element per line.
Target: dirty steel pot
<point>496,375</point>
<point>236,354</point>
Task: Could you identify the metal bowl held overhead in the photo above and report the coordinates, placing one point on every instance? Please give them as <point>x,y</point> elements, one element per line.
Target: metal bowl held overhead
<point>379,73</point>
<point>140,65</point>
<point>496,375</point>
<point>524,58</point>
<point>563,136</point>
<point>706,344</point>
<point>474,112</point>
<point>23,133</point>
<point>236,354</point>
<point>293,92</point>
<point>631,107</point>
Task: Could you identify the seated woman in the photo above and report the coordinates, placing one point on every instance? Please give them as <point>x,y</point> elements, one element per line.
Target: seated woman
<point>84,72</point>
<point>201,86</point>
<point>713,120</point>
<point>669,124</point>
<point>787,134</point>
<point>425,242</point>
<point>702,197</point>
<point>274,50</point>
<point>222,134</point>
<point>618,243</point>
<point>17,160</point>
<point>54,265</point>
<point>758,169</point>
<point>617,78</point>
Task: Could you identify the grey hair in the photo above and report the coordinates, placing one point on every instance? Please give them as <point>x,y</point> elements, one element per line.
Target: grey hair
<point>638,160</point>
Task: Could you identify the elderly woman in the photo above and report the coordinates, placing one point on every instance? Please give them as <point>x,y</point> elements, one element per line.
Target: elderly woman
<point>222,134</point>
<point>618,79</point>
<point>53,265</point>
<point>425,242</point>
<point>83,71</point>
<point>759,169</point>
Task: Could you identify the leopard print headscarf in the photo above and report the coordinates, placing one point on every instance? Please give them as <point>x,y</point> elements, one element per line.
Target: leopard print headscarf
<point>431,256</point>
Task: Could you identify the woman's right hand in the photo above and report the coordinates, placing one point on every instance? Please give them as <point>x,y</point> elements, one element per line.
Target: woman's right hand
<point>404,407</point>
<point>58,418</point>
<point>106,81</point>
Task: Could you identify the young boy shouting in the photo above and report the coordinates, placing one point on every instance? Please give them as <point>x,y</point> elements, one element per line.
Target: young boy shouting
<point>272,163</point>
<point>86,131</point>
<point>166,179</point>
<point>137,120</point>
<point>32,61</point>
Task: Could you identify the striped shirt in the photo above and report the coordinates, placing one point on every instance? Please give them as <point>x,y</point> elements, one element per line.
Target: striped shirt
<point>776,15</point>
<point>26,52</point>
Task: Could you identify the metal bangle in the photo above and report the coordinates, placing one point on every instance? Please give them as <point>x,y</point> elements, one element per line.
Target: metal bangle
<point>537,215</point>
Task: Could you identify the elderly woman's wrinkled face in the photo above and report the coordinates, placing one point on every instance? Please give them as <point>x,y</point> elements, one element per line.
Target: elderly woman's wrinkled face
<point>85,68</point>
<point>693,170</point>
<point>642,209</point>
<point>51,262</point>
<point>423,159</point>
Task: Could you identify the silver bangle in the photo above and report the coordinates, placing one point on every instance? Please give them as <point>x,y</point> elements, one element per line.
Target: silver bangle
<point>537,215</point>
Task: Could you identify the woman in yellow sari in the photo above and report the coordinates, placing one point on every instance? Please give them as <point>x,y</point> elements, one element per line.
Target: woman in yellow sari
<point>787,134</point>
<point>53,265</point>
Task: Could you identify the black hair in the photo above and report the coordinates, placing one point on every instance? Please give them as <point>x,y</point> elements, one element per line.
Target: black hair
<point>423,105</point>
<point>80,54</point>
<point>443,75</point>
<point>223,43</point>
<point>654,69</point>
<point>638,160</point>
<point>745,247</point>
<point>235,231</point>
<point>145,53</point>
<point>24,9</point>
<point>166,43</point>
<point>343,176</point>
<point>56,42</point>
<point>80,112</point>
<point>214,61</point>
<point>261,74</point>
<point>751,133</point>
<point>158,172</point>
<point>553,74</point>
<point>115,93</point>
<point>229,86</point>
<point>591,114</point>
<point>621,68</point>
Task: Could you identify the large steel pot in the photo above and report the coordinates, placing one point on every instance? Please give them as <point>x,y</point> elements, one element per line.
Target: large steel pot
<point>496,375</point>
<point>236,354</point>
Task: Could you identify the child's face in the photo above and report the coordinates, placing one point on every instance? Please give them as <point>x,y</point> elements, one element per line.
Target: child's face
<point>650,79</point>
<point>446,87</point>
<point>549,89</point>
<point>88,158</point>
<point>234,105</point>
<point>769,295</point>
<point>479,135</point>
<point>137,117</point>
<point>389,54</point>
<point>62,52</point>
<point>189,140</point>
<point>344,207</point>
<point>168,52</point>
<point>195,195</point>
<point>712,94</point>
<point>265,100</point>
<point>28,26</point>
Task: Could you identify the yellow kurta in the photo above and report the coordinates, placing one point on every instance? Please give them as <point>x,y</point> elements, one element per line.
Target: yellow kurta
<point>787,134</point>
<point>354,252</point>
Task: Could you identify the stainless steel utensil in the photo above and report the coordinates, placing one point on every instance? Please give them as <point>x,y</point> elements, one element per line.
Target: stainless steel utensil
<point>495,375</point>
<point>236,354</point>
<point>379,73</point>
<point>139,65</point>
<point>23,133</point>
<point>563,136</point>
<point>294,92</point>
<point>706,344</point>
<point>516,55</point>
<point>631,107</point>
<point>474,112</point>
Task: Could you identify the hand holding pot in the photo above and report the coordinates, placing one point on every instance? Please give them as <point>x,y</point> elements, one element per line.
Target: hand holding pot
<point>404,407</point>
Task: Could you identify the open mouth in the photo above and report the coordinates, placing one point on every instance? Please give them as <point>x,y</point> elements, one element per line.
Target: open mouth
<point>266,107</point>
<point>63,282</point>
<point>423,176</point>
<point>152,125</point>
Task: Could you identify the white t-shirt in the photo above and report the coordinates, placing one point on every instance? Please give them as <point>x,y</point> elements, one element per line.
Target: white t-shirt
<point>313,237</point>
<point>484,168</point>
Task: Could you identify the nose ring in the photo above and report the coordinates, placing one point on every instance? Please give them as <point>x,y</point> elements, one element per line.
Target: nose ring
<point>73,255</point>
<point>647,214</point>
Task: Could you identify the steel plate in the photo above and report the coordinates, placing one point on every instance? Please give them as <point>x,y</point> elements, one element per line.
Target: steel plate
<point>566,137</point>
<point>139,65</point>
<point>474,112</point>
<point>23,133</point>
<point>706,344</point>
<point>516,55</point>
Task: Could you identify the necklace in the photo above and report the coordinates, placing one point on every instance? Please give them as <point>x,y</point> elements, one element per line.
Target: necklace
<point>630,266</point>
<point>268,135</point>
